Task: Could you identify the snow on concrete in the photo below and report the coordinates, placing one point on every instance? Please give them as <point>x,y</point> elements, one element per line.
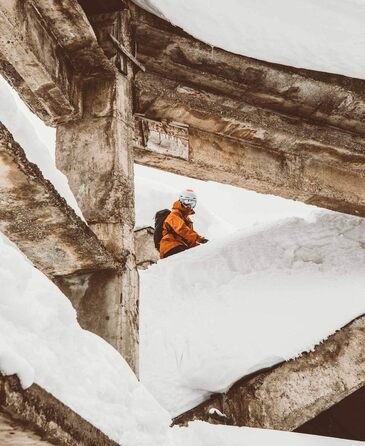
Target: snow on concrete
<point>41,341</point>
<point>37,140</point>
<point>204,434</point>
<point>247,301</point>
<point>326,35</point>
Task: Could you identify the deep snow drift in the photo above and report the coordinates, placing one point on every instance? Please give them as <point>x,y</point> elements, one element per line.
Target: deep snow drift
<point>258,297</point>
<point>326,35</point>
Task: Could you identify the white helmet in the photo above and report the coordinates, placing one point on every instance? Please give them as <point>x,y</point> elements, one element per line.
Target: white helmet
<point>188,198</point>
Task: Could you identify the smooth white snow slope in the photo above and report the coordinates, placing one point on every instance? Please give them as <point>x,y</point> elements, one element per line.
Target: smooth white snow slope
<point>325,35</point>
<point>258,297</point>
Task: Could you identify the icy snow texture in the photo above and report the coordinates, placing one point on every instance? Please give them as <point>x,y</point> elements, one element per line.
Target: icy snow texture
<point>40,337</point>
<point>326,35</point>
<point>258,297</point>
<point>32,135</point>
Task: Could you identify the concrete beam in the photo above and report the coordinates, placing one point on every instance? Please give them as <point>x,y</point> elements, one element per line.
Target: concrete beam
<point>273,129</point>
<point>40,223</point>
<point>235,143</point>
<point>169,52</point>
<point>146,253</point>
<point>46,46</point>
<point>33,417</point>
<point>296,391</point>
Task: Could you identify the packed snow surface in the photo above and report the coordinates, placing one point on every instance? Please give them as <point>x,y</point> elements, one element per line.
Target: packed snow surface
<point>247,301</point>
<point>325,35</point>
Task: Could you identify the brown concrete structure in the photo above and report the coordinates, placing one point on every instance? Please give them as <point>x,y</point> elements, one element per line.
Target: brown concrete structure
<point>49,52</point>
<point>45,47</point>
<point>296,391</point>
<point>40,223</point>
<point>96,154</point>
<point>273,129</point>
<point>146,253</point>
<point>33,417</point>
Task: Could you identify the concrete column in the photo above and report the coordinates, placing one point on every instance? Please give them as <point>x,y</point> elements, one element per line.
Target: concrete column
<point>95,153</point>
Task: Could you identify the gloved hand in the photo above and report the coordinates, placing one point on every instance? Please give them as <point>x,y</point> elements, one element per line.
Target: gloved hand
<point>203,240</point>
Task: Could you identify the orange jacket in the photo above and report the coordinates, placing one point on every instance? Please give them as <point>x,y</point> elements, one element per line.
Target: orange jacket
<point>178,230</point>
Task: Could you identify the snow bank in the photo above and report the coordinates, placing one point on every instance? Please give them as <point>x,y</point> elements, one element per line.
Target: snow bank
<point>41,341</point>
<point>326,35</point>
<point>258,297</point>
<point>27,130</point>
<point>203,434</point>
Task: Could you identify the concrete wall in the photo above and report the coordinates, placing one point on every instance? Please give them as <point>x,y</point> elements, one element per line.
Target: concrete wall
<point>146,253</point>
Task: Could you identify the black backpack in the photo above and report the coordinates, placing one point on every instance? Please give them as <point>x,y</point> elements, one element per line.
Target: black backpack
<point>160,217</point>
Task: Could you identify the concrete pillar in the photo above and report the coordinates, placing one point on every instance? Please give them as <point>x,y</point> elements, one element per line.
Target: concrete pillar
<point>95,153</point>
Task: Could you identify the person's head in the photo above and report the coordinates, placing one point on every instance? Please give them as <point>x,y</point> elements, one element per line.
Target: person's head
<point>188,198</point>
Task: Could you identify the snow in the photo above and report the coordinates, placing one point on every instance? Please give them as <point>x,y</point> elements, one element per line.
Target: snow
<point>204,434</point>
<point>326,35</point>
<point>221,209</point>
<point>224,310</point>
<point>37,140</point>
<point>41,341</point>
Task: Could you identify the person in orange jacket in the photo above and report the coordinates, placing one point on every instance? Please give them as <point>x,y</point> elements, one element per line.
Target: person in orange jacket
<point>177,231</point>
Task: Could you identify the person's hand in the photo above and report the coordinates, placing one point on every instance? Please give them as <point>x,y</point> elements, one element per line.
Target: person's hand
<point>203,240</point>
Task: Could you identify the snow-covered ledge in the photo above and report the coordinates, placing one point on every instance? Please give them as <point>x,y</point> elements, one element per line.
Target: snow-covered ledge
<point>34,416</point>
<point>290,394</point>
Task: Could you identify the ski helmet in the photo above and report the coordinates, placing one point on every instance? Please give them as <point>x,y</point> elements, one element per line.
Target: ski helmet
<point>188,198</point>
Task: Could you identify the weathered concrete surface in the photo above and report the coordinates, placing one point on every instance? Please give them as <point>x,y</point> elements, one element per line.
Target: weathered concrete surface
<point>294,392</point>
<point>273,129</point>
<point>34,417</point>
<point>96,154</point>
<point>97,298</point>
<point>171,53</point>
<point>92,7</point>
<point>44,47</point>
<point>13,433</point>
<point>40,223</point>
<point>146,253</point>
